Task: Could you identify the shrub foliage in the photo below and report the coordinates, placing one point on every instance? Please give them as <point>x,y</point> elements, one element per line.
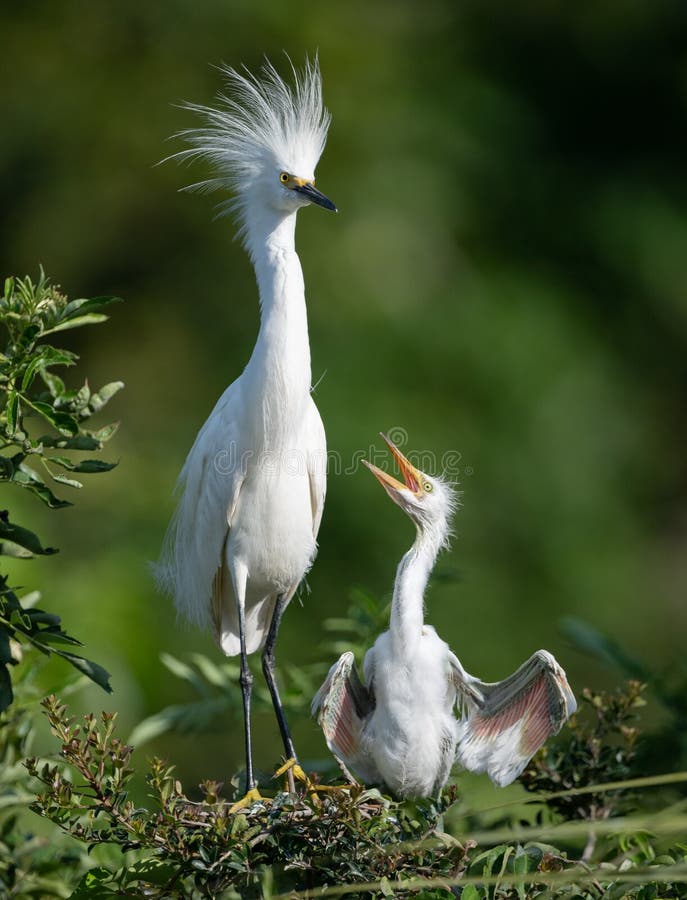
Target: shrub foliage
<point>43,434</point>
<point>356,841</point>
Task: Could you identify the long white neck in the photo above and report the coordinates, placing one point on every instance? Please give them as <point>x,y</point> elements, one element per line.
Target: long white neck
<point>412,575</point>
<point>278,373</point>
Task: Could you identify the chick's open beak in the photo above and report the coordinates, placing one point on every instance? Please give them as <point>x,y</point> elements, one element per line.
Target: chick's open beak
<point>308,190</point>
<point>412,476</point>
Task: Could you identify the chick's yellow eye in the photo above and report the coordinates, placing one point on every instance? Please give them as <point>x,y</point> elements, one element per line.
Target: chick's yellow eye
<point>284,177</point>
<point>428,488</point>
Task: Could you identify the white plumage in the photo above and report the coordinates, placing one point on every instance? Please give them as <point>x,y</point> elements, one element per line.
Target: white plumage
<point>252,489</point>
<point>399,729</point>
<point>262,126</point>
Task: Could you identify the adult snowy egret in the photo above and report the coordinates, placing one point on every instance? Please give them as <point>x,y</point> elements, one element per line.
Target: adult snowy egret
<point>252,489</point>
<point>399,728</point>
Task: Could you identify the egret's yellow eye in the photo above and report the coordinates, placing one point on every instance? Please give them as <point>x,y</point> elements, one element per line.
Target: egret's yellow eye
<point>284,177</point>
<point>428,488</point>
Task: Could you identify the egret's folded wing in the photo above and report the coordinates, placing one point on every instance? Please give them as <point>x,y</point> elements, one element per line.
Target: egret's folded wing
<point>317,466</point>
<point>342,705</point>
<point>513,718</point>
<point>208,489</point>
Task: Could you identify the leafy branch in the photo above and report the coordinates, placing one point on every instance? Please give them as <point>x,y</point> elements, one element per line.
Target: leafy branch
<point>353,842</point>
<point>42,423</point>
<point>200,848</point>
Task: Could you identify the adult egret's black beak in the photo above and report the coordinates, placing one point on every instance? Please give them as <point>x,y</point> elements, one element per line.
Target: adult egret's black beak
<point>314,196</point>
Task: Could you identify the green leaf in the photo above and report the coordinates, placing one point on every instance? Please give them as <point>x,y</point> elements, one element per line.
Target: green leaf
<point>41,617</point>
<point>86,466</point>
<point>151,870</point>
<point>93,885</point>
<point>70,482</point>
<point>6,657</point>
<point>184,671</point>
<point>195,717</point>
<point>49,636</point>
<point>25,477</point>
<point>152,727</point>
<point>65,399</point>
<point>44,628</point>
<point>89,319</point>
<point>521,863</point>
<point>62,479</point>
<point>488,857</point>
<point>470,892</point>
<point>210,671</point>
<point>508,852</point>
<point>12,411</point>
<point>385,887</point>
<point>47,356</point>
<point>80,442</point>
<point>92,466</point>
<point>87,305</point>
<point>22,537</point>
<point>14,551</point>
<point>63,461</point>
<point>30,372</point>
<point>83,395</point>
<point>55,356</point>
<point>29,333</point>
<point>99,399</point>
<point>65,423</point>
<point>54,383</point>
<point>6,695</point>
<point>104,434</point>
<point>94,671</point>
<point>29,601</point>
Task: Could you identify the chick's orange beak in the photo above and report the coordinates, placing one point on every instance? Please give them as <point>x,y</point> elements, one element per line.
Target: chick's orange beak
<point>411,475</point>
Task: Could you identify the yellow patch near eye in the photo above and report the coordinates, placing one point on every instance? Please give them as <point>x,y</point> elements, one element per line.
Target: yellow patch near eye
<point>293,181</point>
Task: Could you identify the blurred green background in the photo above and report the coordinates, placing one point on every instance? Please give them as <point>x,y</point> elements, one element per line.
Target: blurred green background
<point>506,280</point>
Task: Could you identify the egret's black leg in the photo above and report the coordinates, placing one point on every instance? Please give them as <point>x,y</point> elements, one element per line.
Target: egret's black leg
<point>246,681</point>
<point>268,671</point>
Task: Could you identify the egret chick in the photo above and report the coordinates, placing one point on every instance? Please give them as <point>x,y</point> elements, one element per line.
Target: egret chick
<point>399,728</point>
<point>252,489</point>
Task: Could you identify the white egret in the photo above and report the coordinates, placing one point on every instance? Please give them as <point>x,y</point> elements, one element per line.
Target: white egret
<point>399,728</point>
<point>252,489</point>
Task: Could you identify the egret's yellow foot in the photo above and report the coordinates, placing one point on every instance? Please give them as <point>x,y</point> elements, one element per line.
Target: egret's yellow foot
<point>251,796</point>
<point>330,787</point>
<point>292,768</point>
<point>291,765</point>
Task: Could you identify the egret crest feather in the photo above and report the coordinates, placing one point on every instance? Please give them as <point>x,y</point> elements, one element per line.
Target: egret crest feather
<point>261,124</point>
